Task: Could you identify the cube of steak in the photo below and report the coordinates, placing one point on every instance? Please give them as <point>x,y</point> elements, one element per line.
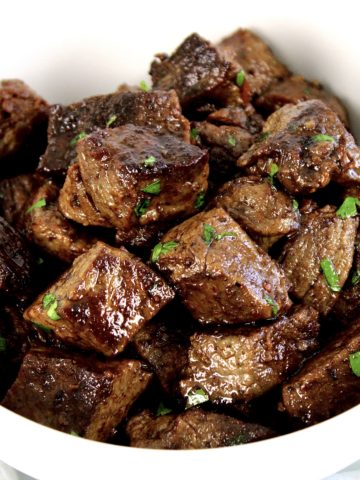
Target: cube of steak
<point>49,229</point>
<point>296,89</point>
<point>74,202</point>
<point>16,263</point>
<point>242,364</point>
<point>221,275</point>
<point>194,428</point>
<point>102,300</point>
<point>309,145</point>
<point>326,385</point>
<point>238,116</point>
<point>194,70</point>
<point>76,394</point>
<point>258,207</point>
<point>23,115</point>
<point>323,236</point>
<point>158,110</point>
<point>128,191</point>
<point>247,52</point>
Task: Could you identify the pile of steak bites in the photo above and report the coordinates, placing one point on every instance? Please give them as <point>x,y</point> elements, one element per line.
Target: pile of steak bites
<point>180,263</point>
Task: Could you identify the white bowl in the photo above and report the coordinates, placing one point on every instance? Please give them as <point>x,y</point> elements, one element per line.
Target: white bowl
<point>69,50</point>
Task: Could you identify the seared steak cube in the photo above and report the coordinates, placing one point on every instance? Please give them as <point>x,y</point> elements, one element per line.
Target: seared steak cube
<point>243,364</point>
<point>221,275</point>
<point>136,177</point>
<point>76,394</point>
<point>324,244</point>
<point>102,300</point>
<point>326,385</point>
<point>158,110</point>
<point>192,429</point>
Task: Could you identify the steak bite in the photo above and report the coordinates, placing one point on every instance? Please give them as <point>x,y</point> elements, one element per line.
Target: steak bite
<point>326,385</point>
<point>221,275</point>
<point>75,394</point>
<point>309,145</point>
<point>194,428</point>
<point>324,244</point>
<point>242,364</point>
<point>158,110</point>
<point>135,177</point>
<point>101,301</point>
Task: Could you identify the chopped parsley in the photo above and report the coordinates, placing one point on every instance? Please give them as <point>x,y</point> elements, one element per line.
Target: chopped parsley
<point>2,344</point>
<point>200,200</point>
<point>50,304</point>
<point>331,277</point>
<point>42,327</point>
<point>295,204</point>
<point>39,204</point>
<point>240,78</point>
<point>232,141</point>
<point>40,261</point>
<point>162,410</point>
<point>209,234</point>
<point>348,208</point>
<point>307,91</point>
<point>144,86</point>
<point>141,207</point>
<point>162,249</point>
<point>111,120</point>
<point>194,133</point>
<point>274,170</point>
<point>322,137</point>
<point>273,304</point>
<point>355,278</point>
<point>74,434</point>
<point>149,161</point>
<point>78,137</point>
<point>262,136</point>
<point>238,440</point>
<point>196,397</point>
<point>153,188</point>
<point>354,360</point>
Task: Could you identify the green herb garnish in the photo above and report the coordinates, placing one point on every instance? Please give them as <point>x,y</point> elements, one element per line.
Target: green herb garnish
<point>194,133</point>
<point>240,78</point>
<point>274,170</point>
<point>42,327</point>
<point>322,137</point>
<point>141,207</point>
<point>348,208</point>
<point>331,277</point>
<point>196,397</point>
<point>238,440</point>
<point>40,261</point>
<point>200,200</point>
<point>232,141</point>
<point>78,137</point>
<point>355,278</point>
<point>162,249</point>
<point>74,434</point>
<point>354,360</point>
<point>295,204</point>
<point>307,91</point>
<point>39,204</point>
<point>262,136</point>
<point>273,304</point>
<point>50,304</point>
<point>209,234</point>
<point>162,410</point>
<point>149,161</point>
<point>153,188</point>
<point>2,344</point>
<point>111,120</point>
<point>144,86</point>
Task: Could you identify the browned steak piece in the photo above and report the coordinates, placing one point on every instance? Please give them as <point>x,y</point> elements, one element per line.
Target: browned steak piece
<point>221,275</point>
<point>326,385</point>
<point>76,204</point>
<point>143,236</point>
<point>49,229</point>
<point>102,300</point>
<point>259,207</point>
<point>192,429</point>
<point>16,264</point>
<point>309,145</point>
<point>194,70</point>
<point>247,52</point>
<point>158,110</point>
<point>23,114</point>
<point>323,236</point>
<point>296,89</point>
<point>75,394</point>
<point>244,363</point>
<point>135,177</point>
<point>238,116</point>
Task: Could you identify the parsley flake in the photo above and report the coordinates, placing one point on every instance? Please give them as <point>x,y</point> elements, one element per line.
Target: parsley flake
<point>331,277</point>
<point>232,141</point>
<point>162,410</point>
<point>149,161</point>
<point>153,188</point>
<point>111,120</point>
<point>141,207</point>
<point>273,304</point>
<point>196,397</point>
<point>162,249</point>
<point>295,204</point>
<point>200,200</point>
<point>240,78</point>
<point>262,136</point>
<point>74,434</point>
<point>274,170</point>
<point>50,304</point>
<point>209,234</point>
<point>355,278</point>
<point>42,327</point>
<point>348,208</point>
<point>2,344</point>
<point>39,204</point>
<point>194,133</point>
<point>238,440</point>
<point>307,91</point>
<point>78,137</point>
<point>144,86</point>
<point>354,360</point>
<point>322,137</point>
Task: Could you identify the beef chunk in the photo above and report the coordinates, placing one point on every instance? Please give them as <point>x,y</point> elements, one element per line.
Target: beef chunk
<point>296,89</point>
<point>76,394</point>
<point>326,385</point>
<point>49,229</point>
<point>243,364</point>
<point>310,146</point>
<point>323,236</point>
<point>128,191</point>
<point>194,70</point>
<point>247,52</point>
<point>192,429</point>
<point>261,209</point>
<point>220,273</point>
<point>102,300</point>
<point>74,202</point>
<point>238,116</point>
<point>159,110</point>
<point>16,265</point>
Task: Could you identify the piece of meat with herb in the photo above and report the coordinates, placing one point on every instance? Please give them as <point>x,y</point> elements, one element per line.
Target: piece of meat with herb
<point>328,383</point>
<point>102,301</point>
<point>244,363</point>
<point>136,177</point>
<point>50,230</point>
<point>251,57</point>
<point>318,260</point>
<point>296,89</point>
<point>309,146</point>
<point>221,275</point>
<point>76,394</point>
<point>194,428</point>
<point>67,124</point>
